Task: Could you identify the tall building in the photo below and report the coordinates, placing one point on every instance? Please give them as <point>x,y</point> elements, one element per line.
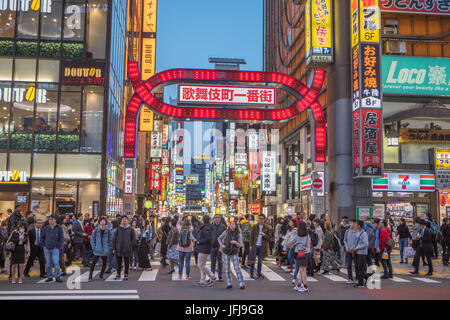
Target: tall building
<point>62,79</point>
<point>415,98</point>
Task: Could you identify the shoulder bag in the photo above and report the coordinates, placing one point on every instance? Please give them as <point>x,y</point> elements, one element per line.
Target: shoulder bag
<point>10,246</point>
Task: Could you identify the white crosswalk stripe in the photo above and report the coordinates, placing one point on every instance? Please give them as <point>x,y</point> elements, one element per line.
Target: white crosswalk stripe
<point>397,279</point>
<point>85,276</point>
<point>312,279</point>
<point>334,277</point>
<point>427,280</point>
<point>175,276</point>
<point>271,275</point>
<point>244,274</point>
<point>148,275</point>
<point>69,295</point>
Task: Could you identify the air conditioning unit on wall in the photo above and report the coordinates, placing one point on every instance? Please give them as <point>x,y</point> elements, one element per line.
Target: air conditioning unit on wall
<point>395,47</point>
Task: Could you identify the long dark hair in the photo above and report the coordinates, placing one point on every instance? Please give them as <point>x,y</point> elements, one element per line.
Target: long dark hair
<point>236,224</point>
<point>301,230</point>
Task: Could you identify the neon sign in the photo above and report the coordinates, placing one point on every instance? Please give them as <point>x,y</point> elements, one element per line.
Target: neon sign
<point>143,94</point>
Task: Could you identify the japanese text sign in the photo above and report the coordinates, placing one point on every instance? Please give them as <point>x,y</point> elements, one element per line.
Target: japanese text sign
<point>441,7</point>
<point>269,171</point>
<point>202,94</point>
<point>442,158</point>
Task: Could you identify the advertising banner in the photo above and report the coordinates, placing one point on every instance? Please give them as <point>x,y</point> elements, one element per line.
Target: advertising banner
<point>405,182</point>
<point>87,72</point>
<point>269,171</point>
<point>440,7</point>
<point>319,32</point>
<point>416,75</point>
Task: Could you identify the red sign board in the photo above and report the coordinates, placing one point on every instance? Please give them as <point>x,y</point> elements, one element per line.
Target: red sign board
<point>155,176</point>
<point>416,6</point>
<point>201,94</point>
<point>317,183</point>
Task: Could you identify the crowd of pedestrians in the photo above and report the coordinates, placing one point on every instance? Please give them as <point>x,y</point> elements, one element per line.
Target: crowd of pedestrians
<point>302,245</point>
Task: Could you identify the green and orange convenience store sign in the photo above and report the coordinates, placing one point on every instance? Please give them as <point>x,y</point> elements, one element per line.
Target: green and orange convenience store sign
<point>405,182</point>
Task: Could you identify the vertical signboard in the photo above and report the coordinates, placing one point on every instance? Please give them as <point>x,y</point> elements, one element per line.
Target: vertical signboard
<point>146,119</point>
<point>269,171</point>
<point>128,180</point>
<point>366,88</point>
<point>319,33</point>
<point>155,176</point>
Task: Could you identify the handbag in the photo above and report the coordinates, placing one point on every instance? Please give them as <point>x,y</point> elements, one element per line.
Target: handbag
<point>301,254</point>
<point>390,244</point>
<point>10,246</point>
<point>409,252</point>
<point>385,255</point>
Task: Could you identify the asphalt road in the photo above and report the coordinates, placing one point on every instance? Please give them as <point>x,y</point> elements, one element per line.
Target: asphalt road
<point>158,285</point>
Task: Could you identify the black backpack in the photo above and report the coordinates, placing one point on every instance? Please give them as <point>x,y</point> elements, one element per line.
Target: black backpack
<point>185,239</point>
<point>314,238</point>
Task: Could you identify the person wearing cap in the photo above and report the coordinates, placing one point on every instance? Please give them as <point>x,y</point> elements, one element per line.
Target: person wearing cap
<point>425,248</point>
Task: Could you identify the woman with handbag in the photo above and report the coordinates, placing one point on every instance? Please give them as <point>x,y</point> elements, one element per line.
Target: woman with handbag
<point>230,241</point>
<point>16,245</point>
<point>292,231</point>
<point>301,243</point>
<point>172,244</point>
<point>145,239</point>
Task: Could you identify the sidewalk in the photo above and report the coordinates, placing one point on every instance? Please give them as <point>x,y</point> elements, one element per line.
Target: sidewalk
<point>439,270</point>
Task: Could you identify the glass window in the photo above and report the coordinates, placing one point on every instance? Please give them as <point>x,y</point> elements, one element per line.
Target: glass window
<point>22,116</point>
<point>25,70</point>
<point>45,122</point>
<point>91,137</point>
<point>28,24</point>
<point>20,161</point>
<point>87,194</point>
<point>5,103</point>
<point>51,22</point>
<point>74,18</point>
<point>42,198</point>
<point>5,68</point>
<point>80,166</point>
<point>69,119</point>
<point>96,30</point>
<point>3,161</point>
<point>48,71</point>
<point>7,24</point>
<point>66,191</point>
<point>43,165</point>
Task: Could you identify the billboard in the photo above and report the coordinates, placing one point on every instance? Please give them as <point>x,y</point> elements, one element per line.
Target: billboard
<point>319,32</point>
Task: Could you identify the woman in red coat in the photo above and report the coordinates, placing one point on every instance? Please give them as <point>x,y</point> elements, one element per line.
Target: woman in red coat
<point>385,251</point>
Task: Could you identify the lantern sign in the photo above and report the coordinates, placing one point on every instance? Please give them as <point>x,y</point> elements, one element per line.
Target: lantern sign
<point>366,88</point>
<point>319,33</point>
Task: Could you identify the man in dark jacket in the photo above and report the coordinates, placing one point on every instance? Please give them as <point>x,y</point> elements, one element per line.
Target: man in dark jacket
<point>51,240</point>
<point>203,247</point>
<point>259,237</point>
<point>79,249</point>
<point>123,242</point>
<point>425,248</point>
<point>216,256</point>
<point>445,232</point>
<point>14,218</point>
<point>36,251</point>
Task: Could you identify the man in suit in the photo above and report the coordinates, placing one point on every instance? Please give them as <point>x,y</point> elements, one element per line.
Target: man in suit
<point>258,245</point>
<point>425,248</point>
<point>78,240</point>
<point>36,251</point>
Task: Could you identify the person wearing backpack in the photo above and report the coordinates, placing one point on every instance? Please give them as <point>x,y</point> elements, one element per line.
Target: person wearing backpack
<point>328,248</point>
<point>292,231</point>
<point>314,240</point>
<point>368,228</point>
<point>384,248</point>
<point>230,241</point>
<point>101,245</point>
<point>185,248</point>
<point>434,234</point>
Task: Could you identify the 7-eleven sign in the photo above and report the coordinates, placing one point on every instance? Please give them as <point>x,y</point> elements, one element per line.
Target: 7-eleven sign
<point>405,182</point>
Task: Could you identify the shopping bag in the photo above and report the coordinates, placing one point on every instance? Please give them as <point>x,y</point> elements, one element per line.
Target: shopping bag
<point>409,252</point>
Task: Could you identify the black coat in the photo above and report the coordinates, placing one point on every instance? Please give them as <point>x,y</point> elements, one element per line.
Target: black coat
<point>32,238</point>
<point>445,231</point>
<point>217,229</point>
<point>78,231</point>
<point>425,243</point>
<point>204,239</point>
<point>124,241</point>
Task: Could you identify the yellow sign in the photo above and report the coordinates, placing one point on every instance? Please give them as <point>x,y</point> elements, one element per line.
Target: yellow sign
<point>442,157</point>
<point>150,11</point>
<point>13,177</point>
<point>424,136</point>
<point>146,119</point>
<point>148,57</point>
<point>355,22</point>
<point>308,29</point>
<point>369,20</point>
<point>318,28</point>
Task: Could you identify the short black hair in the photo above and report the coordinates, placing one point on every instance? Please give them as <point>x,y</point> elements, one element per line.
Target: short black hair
<point>247,216</point>
<point>353,220</point>
<point>302,229</point>
<point>206,219</point>
<point>103,218</point>
<point>376,220</point>
<point>51,217</point>
<point>360,223</point>
<point>261,215</point>
<point>17,206</point>
<point>422,222</point>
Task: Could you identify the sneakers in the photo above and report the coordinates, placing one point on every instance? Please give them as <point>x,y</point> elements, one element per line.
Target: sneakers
<point>229,287</point>
<point>117,277</point>
<point>58,280</point>
<point>180,277</point>
<point>211,282</point>
<point>242,288</point>
<point>125,277</point>
<point>414,272</point>
<point>294,281</point>
<point>188,278</point>
<point>349,281</point>
<point>49,280</point>
<point>200,284</point>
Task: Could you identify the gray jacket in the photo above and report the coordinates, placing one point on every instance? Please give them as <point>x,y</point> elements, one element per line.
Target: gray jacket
<point>362,242</point>
<point>320,235</point>
<point>415,231</point>
<point>300,243</point>
<point>350,238</point>
<point>78,231</point>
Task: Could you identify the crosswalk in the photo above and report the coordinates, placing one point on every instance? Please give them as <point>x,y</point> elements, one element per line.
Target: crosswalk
<point>70,295</point>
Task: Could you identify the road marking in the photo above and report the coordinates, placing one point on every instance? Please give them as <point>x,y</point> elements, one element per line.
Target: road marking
<point>85,276</point>
<point>175,276</point>
<point>67,292</point>
<point>43,281</point>
<point>397,279</point>
<point>271,275</point>
<point>244,274</point>
<point>311,279</point>
<point>334,277</point>
<point>427,280</point>
<point>87,297</point>
<point>148,275</point>
<point>112,276</point>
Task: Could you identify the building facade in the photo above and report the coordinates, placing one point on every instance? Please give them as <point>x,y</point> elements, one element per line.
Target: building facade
<point>62,78</point>
<point>415,80</point>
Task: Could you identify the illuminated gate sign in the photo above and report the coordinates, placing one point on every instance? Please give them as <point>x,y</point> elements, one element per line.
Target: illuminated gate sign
<point>194,94</point>
<point>366,88</point>
<point>306,98</point>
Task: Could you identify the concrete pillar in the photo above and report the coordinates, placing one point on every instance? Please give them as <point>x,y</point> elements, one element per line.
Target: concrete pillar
<point>339,113</point>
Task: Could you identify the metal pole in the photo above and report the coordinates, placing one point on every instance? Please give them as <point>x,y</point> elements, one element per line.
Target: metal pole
<point>339,110</point>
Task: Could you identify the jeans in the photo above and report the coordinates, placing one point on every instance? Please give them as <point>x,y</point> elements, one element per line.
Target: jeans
<point>216,256</point>
<point>134,258</point>
<point>387,264</point>
<point>349,260</point>
<point>184,256</point>
<point>403,243</point>
<point>112,261</point>
<point>152,250</point>
<point>291,258</point>
<point>52,261</point>
<point>256,252</point>
<point>245,253</point>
